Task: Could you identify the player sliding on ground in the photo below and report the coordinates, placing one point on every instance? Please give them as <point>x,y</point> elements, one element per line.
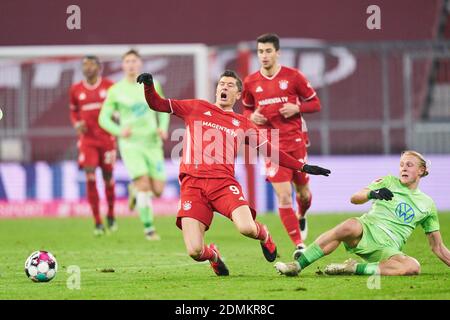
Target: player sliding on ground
<point>213,135</point>
<point>379,235</point>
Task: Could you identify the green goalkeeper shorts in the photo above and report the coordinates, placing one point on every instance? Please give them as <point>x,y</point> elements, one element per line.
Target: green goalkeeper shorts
<point>143,161</point>
<point>375,245</point>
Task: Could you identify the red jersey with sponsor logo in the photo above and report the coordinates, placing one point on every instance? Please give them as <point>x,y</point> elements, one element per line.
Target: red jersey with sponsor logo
<point>85,103</point>
<point>270,93</point>
<point>212,138</point>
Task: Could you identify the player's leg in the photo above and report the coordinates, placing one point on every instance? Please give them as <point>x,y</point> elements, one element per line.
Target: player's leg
<point>110,199</point>
<point>157,186</point>
<point>303,194</point>
<point>303,197</point>
<point>246,224</point>
<point>144,206</point>
<point>397,265</point>
<point>136,163</point>
<point>149,186</point>
<point>107,164</point>
<point>88,159</point>
<point>157,172</point>
<point>283,191</point>
<point>93,199</point>
<point>193,235</point>
<point>349,231</point>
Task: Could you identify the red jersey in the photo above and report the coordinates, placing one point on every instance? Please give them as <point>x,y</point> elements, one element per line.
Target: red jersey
<point>213,137</point>
<point>85,103</point>
<point>269,94</point>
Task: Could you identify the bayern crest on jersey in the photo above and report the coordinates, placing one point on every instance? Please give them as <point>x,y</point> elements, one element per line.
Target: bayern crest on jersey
<point>235,122</point>
<point>187,205</point>
<point>102,93</point>
<point>283,84</point>
<point>82,96</point>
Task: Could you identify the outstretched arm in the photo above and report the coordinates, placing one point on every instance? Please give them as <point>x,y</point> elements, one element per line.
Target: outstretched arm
<point>285,160</point>
<point>366,194</point>
<point>154,101</point>
<point>438,247</point>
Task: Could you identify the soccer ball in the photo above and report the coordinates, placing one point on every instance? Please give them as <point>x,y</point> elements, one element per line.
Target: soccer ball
<point>41,266</point>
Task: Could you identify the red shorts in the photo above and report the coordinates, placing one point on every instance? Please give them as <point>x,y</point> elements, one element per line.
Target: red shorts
<point>276,173</point>
<point>201,197</point>
<point>96,156</point>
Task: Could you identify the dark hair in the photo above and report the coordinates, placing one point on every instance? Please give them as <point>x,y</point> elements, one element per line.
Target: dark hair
<point>131,51</point>
<point>93,58</point>
<point>269,38</point>
<point>232,74</point>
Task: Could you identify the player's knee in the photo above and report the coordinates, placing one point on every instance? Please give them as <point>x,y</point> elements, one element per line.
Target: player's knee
<point>90,176</point>
<point>412,268</point>
<point>247,230</point>
<point>351,227</point>
<point>284,199</point>
<point>305,196</point>
<point>157,193</point>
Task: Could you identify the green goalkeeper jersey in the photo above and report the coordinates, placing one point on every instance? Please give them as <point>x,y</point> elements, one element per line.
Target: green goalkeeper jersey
<point>127,100</point>
<point>407,209</point>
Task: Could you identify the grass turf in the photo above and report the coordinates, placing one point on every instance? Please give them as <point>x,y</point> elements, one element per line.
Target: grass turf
<point>124,265</point>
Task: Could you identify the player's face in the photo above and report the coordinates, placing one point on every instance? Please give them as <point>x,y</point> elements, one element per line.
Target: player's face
<point>131,65</point>
<point>227,92</point>
<point>90,68</point>
<point>410,169</point>
<point>267,55</point>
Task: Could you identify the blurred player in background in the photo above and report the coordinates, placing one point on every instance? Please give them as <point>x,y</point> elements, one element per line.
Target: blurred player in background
<point>97,148</point>
<point>275,98</point>
<point>379,235</point>
<point>207,167</point>
<point>141,133</point>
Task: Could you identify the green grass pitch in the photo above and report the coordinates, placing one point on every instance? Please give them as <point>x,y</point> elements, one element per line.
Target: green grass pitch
<point>126,266</point>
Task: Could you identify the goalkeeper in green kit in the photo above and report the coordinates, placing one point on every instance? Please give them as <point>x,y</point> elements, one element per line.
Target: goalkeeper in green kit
<point>379,235</point>
<point>141,133</point>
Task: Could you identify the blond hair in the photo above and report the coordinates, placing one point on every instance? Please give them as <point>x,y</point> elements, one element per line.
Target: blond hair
<point>422,161</point>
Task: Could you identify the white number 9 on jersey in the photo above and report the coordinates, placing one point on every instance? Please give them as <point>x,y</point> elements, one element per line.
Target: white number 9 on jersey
<point>234,189</point>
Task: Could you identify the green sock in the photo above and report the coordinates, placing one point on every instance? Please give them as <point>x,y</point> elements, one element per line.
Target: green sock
<point>367,268</point>
<point>311,254</point>
<point>146,217</point>
<point>144,208</point>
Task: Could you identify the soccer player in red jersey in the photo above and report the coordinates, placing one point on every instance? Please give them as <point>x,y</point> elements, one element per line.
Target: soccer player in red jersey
<point>213,135</point>
<point>275,98</point>
<point>96,147</point>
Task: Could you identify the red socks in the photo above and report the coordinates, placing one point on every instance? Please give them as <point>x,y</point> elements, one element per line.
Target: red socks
<point>290,223</point>
<point>207,254</point>
<point>92,196</point>
<point>110,197</point>
<point>262,233</point>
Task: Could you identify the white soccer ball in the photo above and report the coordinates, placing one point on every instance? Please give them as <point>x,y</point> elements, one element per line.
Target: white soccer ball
<point>41,266</point>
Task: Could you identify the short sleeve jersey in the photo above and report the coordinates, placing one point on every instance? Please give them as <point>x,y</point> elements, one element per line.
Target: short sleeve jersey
<point>407,209</point>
